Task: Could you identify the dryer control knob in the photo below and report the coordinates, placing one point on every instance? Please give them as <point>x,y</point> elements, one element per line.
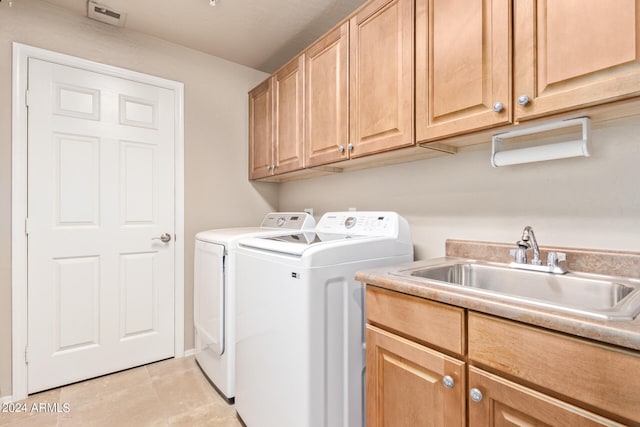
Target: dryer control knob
<point>350,222</point>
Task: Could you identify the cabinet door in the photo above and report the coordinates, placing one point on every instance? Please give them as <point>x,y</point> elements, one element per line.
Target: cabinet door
<point>381,73</point>
<point>463,68</point>
<point>573,53</point>
<point>405,384</point>
<point>327,98</point>
<point>288,116</point>
<point>504,403</point>
<point>260,131</point>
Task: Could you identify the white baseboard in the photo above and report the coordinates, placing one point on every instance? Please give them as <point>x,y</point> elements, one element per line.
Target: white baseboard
<point>6,399</point>
<point>189,352</point>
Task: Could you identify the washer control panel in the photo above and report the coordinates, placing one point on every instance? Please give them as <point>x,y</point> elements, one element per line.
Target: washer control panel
<point>359,223</point>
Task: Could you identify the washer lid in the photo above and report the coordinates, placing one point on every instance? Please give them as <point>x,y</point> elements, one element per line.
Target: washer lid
<point>298,243</point>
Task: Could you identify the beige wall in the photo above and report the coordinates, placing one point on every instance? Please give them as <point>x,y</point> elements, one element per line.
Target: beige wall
<point>217,192</point>
<point>582,202</point>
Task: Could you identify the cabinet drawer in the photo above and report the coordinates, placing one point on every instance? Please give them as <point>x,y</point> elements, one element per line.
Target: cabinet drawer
<point>430,322</point>
<point>601,376</point>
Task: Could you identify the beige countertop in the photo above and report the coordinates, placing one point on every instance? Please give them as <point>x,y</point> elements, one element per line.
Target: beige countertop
<point>624,333</point>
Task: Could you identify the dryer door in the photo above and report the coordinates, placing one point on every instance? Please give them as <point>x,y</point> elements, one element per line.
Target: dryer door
<point>209,295</point>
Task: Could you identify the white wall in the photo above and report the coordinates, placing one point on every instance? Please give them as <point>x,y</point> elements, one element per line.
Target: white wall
<point>582,202</point>
<point>217,192</point>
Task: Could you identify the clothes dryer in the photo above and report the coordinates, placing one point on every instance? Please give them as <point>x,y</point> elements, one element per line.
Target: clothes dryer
<point>214,293</point>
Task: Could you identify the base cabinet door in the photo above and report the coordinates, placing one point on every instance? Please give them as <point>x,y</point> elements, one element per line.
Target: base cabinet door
<point>405,384</point>
<point>574,53</point>
<point>495,401</point>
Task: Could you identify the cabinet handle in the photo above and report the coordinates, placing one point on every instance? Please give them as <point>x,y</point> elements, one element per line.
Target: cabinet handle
<point>350,147</point>
<point>498,107</point>
<point>268,167</point>
<point>341,149</point>
<point>475,395</point>
<point>448,381</point>
<point>523,100</point>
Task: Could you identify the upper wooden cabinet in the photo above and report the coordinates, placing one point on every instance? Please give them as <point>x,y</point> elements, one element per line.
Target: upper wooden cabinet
<point>574,53</point>
<point>463,58</point>
<point>260,130</point>
<point>276,122</point>
<point>327,98</point>
<point>381,77</point>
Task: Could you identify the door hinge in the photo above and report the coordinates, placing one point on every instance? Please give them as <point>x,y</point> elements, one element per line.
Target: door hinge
<point>26,226</point>
<point>26,355</point>
<point>26,98</point>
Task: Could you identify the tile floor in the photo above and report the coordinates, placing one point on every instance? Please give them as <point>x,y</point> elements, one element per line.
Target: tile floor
<point>170,393</point>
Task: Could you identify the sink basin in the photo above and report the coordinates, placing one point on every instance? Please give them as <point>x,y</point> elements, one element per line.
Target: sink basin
<point>604,297</point>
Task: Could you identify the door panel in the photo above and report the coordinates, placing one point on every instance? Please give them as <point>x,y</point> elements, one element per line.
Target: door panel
<point>381,77</point>
<point>463,66</point>
<point>575,53</point>
<point>100,172</point>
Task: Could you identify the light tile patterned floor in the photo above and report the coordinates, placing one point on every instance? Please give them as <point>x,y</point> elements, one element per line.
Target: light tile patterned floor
<point>171,393</point>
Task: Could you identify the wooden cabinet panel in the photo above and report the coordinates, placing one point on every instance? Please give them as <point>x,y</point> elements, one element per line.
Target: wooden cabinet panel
<point>381,76</point>
<point>404,384</point>
<point>505,403</point>
<point>575,53</point>
<point>327,98</point>
<point>430,322</point>
<point>288,116</point>
<point>597,375</point>
<point>463,66</point>
<point>260,131</point>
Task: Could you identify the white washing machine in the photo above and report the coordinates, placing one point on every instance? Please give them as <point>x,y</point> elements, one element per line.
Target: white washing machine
<point>214,293</point>
<point>300,319</point>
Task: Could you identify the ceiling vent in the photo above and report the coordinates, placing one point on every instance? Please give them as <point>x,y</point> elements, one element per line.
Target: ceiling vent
<point>103,13</point>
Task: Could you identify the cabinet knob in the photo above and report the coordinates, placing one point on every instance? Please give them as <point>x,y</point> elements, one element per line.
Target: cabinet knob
<point>448,381</point>
<point>268,167</point>
<point>341,149</point>
<point>523,100</point>
<point>475,395</point>
<point>498,107</point>
<point>350,147</point>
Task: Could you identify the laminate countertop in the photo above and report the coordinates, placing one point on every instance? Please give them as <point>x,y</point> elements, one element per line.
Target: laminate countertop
<point>623,333</point>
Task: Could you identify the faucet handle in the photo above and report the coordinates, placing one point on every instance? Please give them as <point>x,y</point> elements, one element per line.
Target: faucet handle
<point>554,258</point>
<point>519,255</point>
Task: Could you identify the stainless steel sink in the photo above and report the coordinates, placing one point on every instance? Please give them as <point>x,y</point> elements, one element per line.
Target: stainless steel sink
<point>604,297</point>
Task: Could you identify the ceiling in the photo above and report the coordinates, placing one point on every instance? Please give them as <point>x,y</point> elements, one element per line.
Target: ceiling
<point>261,34</point>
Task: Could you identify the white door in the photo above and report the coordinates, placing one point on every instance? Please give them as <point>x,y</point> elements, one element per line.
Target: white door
<point>100,194</point>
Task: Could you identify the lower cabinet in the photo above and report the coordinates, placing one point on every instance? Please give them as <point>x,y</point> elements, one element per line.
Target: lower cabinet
<point>411,385</point>
<point>495,372</point>
<point>495,401</point>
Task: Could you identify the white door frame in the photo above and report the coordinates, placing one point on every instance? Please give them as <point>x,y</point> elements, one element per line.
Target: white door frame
<point>21,54</point>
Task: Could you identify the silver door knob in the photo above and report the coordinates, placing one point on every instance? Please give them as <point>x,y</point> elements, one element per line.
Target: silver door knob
<point>341,149</point>
<point>523,100</point>
<point>350,147</point>
<point>475,395</point>
<point>165,238</point>
<point>448,381</point>
<point>498,106</point>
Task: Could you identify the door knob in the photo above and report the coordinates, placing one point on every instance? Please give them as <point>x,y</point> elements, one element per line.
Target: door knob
<point>165,238</point>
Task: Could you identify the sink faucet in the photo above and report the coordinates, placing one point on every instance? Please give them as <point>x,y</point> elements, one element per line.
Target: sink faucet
<point>527,241</point>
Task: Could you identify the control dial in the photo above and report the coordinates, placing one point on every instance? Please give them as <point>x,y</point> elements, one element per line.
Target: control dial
<point>350,222</point>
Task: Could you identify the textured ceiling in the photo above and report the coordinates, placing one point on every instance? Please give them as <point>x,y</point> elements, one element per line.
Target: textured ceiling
<point>261,34</point>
